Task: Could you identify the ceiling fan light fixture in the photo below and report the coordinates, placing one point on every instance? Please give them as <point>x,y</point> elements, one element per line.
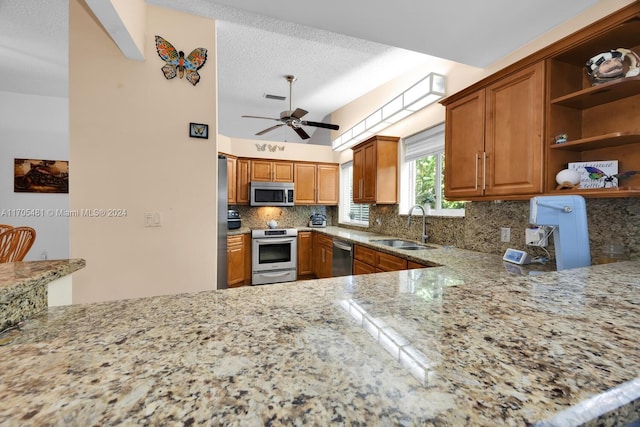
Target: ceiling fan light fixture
<point>425,92</point>
<point>292,118</point>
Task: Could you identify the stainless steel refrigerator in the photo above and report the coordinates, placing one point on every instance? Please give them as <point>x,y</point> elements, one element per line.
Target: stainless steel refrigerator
<point>222,222</point>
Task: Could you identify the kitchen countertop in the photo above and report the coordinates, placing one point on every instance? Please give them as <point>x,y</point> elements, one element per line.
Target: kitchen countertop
<point>465,344</point>
<point>23,287</point>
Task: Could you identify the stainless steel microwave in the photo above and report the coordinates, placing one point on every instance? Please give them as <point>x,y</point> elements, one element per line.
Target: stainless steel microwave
<point>271,193</point>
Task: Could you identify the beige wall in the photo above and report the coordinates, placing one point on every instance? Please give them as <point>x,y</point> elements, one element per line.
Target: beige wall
<point>292,151</point>
<point>129,149</point>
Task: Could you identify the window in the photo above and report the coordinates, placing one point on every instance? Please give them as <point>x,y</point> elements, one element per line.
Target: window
<point>350,212</point>
<point>423,174</point>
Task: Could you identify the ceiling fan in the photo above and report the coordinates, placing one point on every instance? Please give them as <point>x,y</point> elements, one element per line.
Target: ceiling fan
<point>292,118</point>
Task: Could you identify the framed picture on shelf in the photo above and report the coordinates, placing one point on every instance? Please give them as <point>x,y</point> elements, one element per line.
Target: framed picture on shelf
<point>198,130</point>
<point>596,174</point>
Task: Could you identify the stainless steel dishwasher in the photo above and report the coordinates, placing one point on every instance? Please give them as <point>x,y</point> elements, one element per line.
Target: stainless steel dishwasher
<point>342,260</point>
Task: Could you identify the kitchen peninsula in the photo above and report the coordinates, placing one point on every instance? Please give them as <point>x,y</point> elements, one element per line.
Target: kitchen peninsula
<point>431,346</point>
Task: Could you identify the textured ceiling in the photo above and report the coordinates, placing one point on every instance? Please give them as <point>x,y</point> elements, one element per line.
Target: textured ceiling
<point>339,50</point>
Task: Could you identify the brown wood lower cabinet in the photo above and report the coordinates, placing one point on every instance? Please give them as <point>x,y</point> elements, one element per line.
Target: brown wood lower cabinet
<point>305,255</point>
<point>360,267</point>
<point>413,265</point>
<point>238,260</point>
<point>322,255</point>
<point>367,260</point>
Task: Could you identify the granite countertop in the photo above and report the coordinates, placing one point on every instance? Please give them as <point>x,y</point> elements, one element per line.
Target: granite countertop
<point>431,346</point>
<point>23,287</point>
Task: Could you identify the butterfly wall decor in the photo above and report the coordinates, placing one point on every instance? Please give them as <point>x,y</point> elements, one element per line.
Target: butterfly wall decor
<point>177,64</point>
<point>272,148</point>
<point>597,174</point>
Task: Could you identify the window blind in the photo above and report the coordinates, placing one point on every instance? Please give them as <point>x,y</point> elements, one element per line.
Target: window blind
<point>425,143</point>
<point>360,213</point>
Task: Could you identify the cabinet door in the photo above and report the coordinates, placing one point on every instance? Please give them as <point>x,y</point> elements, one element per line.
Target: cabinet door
<point>370,173</point>
<point>386,262</point>
<point>305,184</point>
<point>231,181</point>
<point>360,267</point>
<point>261,170</point>
<point>243,171</point>
<point>358,174</point>
<point>328,183</point>
<point>305,259</point>
<point>464,147</point>
<point>513,134</point>
<point>235,261</point>
<point>282,171</point>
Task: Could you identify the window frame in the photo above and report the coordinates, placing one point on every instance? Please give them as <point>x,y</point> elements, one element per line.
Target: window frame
<point>408,176</point>
<point>346,204</point>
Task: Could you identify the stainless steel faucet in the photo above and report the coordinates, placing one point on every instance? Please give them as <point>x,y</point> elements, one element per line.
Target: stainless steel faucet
<point>424,236</point>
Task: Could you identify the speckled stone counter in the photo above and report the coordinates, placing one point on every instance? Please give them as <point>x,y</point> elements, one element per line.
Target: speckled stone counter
<point>23,287</point>
<point>418,347</point>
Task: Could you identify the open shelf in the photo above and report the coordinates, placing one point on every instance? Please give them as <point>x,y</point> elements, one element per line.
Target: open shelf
<point>602,141</point>
<point>599,192</point>
<point>600,94</point>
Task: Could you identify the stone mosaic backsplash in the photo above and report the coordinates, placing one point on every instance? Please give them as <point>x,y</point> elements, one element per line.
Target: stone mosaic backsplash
<point>610,220</point>
<point>286,217</point>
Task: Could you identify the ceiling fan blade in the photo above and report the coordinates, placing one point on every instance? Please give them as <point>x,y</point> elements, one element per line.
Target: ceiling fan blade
<point>320,125</point>
<point>299,113</point>
<point>260,117</point>
<point>262,132</point>
<point>301,133</point>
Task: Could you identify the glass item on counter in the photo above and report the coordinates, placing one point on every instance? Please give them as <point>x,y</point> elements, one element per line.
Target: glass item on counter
<point>612,251</point>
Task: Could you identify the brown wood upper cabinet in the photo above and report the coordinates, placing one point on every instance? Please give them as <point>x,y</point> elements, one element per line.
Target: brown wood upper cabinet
<point>500,132</point>
<point>243,176</point>
<point>271,170</point>
<point>375,170</point>
<point>231,180</point>
<point>315,183</point>
<point>602,122</point>
<point>494,138</point>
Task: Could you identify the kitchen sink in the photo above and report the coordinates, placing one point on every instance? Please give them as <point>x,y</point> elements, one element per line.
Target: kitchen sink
<point>402,244</point>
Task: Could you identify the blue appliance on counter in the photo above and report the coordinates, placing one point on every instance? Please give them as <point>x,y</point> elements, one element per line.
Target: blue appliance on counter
<point>568,216</point>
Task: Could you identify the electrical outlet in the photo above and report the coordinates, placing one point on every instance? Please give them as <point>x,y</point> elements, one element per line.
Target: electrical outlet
<point>536,236</point>
<point>505,234</point>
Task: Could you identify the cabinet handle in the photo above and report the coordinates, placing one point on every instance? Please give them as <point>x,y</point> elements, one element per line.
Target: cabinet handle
<point>323,255</point>
<point>476,173</point>
<point>484,170</point>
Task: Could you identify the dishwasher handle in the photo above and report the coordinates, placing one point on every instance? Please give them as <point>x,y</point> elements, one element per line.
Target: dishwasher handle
<point>343,246</point>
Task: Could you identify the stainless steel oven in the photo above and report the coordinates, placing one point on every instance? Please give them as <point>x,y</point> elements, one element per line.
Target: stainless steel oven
<point>274,255</point>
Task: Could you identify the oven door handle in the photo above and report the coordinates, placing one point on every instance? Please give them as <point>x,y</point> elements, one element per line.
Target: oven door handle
<point>276,240</point>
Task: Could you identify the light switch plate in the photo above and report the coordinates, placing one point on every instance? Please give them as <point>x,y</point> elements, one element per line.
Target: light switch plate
<point>152,219</point>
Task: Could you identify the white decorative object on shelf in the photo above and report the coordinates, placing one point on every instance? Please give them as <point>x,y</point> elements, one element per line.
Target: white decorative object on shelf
<point>568,178</point>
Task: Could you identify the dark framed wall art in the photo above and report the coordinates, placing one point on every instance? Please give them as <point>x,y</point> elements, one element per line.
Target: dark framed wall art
<point>40,176</point>
<point>198,130</point>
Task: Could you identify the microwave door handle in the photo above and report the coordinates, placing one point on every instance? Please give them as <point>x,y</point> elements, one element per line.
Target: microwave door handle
<point>272,240</point>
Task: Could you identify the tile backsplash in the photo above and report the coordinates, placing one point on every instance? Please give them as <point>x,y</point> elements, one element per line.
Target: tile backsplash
<point>610,220</point>
<point>286,217</point>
